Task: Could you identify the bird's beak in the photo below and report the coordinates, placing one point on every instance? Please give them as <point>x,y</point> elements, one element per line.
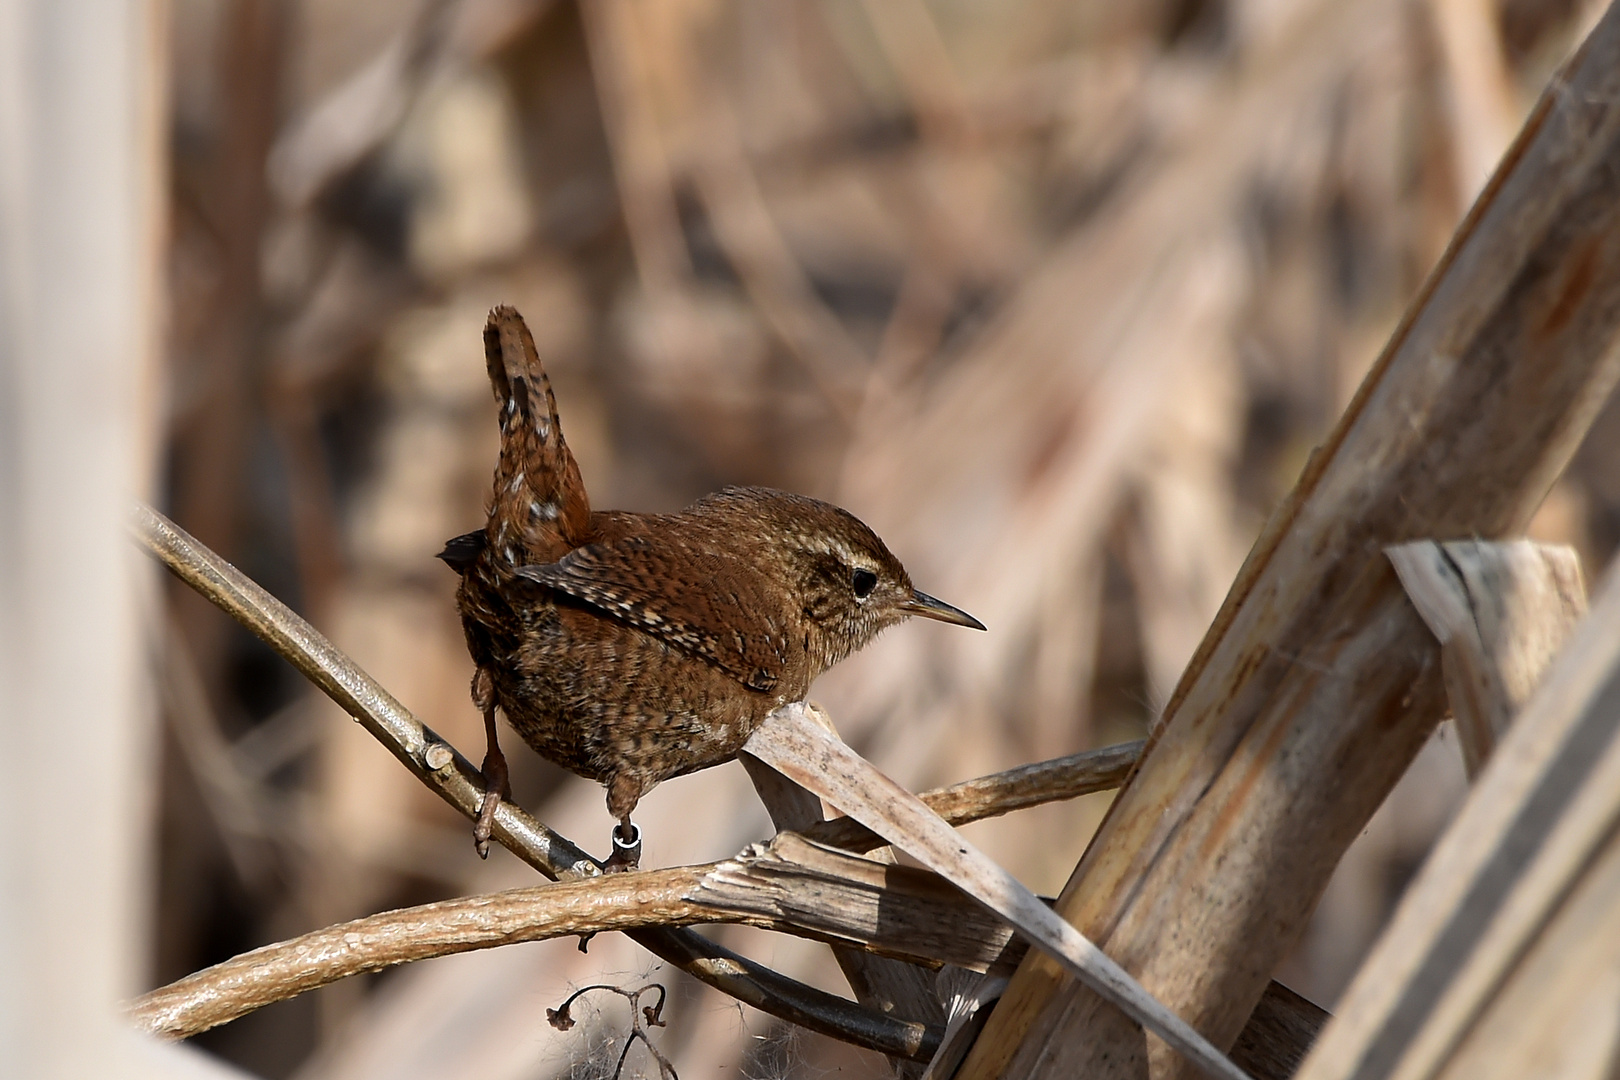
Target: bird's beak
<point>929,608</point>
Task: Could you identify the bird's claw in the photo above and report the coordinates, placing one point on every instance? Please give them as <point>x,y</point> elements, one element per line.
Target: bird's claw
<point>484,827</point>
<point>495,788</point>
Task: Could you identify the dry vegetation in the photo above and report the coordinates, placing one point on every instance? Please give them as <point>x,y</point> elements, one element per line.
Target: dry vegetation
<point>1056,296</point>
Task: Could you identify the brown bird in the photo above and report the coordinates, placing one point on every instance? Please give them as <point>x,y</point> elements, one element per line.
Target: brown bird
<point>630,648</point>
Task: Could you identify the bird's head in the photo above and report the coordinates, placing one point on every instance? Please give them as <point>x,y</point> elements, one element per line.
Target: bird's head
<point>846,583</point>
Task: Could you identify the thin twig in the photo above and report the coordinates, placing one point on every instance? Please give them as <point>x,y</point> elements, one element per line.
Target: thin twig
<point>254,979</point>
<point>454,779</point>
<point>418,748</point>
<point>1001,793</point>
<point>790,886</point>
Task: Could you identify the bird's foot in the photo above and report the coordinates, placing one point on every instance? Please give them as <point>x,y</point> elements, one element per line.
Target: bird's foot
<point>495,789</point>
<point>626,848</point>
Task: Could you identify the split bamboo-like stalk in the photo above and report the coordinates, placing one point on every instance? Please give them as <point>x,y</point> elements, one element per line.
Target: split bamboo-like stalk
<point>879,982</point>
<point>1318,682</point>
<point>1500,611</point>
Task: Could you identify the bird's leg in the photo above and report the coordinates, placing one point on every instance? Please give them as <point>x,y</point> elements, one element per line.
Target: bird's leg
<point>626,848</point>
<point>494,767</point>
<point>623,794</point>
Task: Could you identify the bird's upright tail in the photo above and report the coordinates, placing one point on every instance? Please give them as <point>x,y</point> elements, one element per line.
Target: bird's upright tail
<point>539,512</point>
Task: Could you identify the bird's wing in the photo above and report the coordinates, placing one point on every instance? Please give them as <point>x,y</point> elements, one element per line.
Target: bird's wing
<point>691,599</point>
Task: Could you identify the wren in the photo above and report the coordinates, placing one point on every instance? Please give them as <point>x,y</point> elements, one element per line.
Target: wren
<point>631,648</point>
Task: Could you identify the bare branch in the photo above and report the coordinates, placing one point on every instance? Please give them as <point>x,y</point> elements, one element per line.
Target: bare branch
<point>454,779</point>
<point>231,989</point>
<point>789,885</point>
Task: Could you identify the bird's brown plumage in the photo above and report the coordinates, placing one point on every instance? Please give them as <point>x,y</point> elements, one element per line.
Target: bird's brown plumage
<point>631,648</point>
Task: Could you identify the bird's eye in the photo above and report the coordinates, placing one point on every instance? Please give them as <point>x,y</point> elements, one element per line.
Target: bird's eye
<point>863,583</point>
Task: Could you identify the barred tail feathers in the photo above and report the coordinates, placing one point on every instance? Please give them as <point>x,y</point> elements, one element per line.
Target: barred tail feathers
<point>540,510</point>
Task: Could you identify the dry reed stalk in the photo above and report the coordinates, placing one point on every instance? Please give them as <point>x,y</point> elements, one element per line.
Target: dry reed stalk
<point>1318,682</point>
<point>794,744</point>
<point>1501,612</point>
<point>1500,960</point>
<point>880,983</point>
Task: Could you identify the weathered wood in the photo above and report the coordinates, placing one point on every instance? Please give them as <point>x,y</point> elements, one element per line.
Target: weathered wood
<point>1318,683</point>
<point>1501,960</point>
<point>1279,1034</point>
<point>901,911</point>
<point>1501,611</point>
<point>796,745</point>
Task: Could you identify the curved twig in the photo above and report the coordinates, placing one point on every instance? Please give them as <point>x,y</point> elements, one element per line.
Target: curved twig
<point>231,989</point>
<point>642,1017</point>
<point>238,986</point>
<point>454,779</point>
<point>789,885</point>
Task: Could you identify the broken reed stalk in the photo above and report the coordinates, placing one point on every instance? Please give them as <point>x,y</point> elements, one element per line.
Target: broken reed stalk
<point>799,748</point>
<point>1501,611</point>
<point>1318,683</point>
<point>450,775</point>
<point>890,986</point>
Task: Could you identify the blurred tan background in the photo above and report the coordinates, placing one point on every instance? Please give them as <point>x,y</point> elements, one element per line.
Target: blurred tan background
<point>1057,295</point>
